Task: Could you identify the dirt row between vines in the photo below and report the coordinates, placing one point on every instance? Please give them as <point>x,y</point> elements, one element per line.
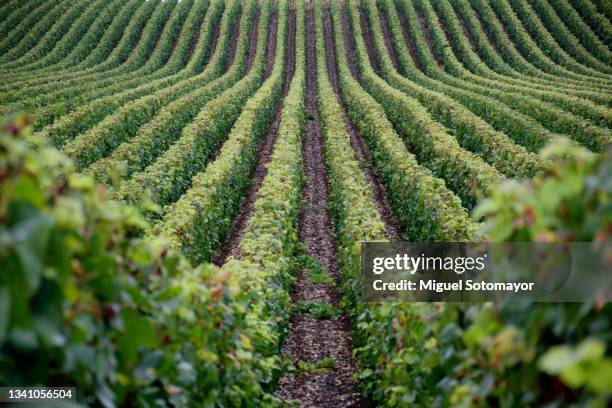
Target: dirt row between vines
<point>214,43</point>
<point>234,40</point>
<point>311,340</point>
<point>271,45</point>
<point>388,40</point>
<point>230,247</point>
<point>369,42</point>
<point>195,38</point>
<point>409,40</point>
<point>427,35</point>
<point>253,37</point>
<point>178,34</point>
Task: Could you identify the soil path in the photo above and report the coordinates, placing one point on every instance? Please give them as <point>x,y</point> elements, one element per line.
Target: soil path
<point>347,34</point>
<point>264,155</point>
<point>409,40</point>
<point>214,43</point>
<point>271,45</point>
<point>369,42</point>
<point>253,36</point>
<point>195,38</point>
<point>466,32</point>
<point>427,35</point>
<point>309,339</point>
<point>388,40</point>
<point>233,44</point>
<point>489,36</point>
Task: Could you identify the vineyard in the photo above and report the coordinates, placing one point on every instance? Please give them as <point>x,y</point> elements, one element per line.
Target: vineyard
<point>185,186</point>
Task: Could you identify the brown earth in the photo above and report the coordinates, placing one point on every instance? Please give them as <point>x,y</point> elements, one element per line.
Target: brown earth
<point>310,339</point>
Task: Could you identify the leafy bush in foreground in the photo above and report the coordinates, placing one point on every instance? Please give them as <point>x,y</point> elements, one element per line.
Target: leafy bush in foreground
<point>543,353</point>
<point>84,303</point>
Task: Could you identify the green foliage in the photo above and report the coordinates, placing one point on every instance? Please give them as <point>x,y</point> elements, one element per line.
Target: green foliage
<point>28,17</point>
<point>598,22</point>
<point>85,303</point>
<point>45,45</point>
<point>133,92</point>
<point>585,365</point>
<point>72,39</point>
<point>565,114</point>
<point>447,355</point>
<point>571,202</point>
<point>35,33</point>
<point>472,133</point>
<point>323,366</point>
<point>544,58</point>
<point>520,128</point>
<point>554,45</point>
<point>124,124</point>
<point>422,203</point>
<point>153,138</point>
<point>200,219</point>
<point>565,37</point>
<point>142,65</point>
<point>91,38</point>
<point>518,87</point>
<point>14,11</point>
<point>315,309</point>
<point>464,173</point>
<point>66,128</point>
<point>484,355</point>
<point>171,174</point>
<point>266,255</point>
<point>580,29</point>
<point>315,273</point>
